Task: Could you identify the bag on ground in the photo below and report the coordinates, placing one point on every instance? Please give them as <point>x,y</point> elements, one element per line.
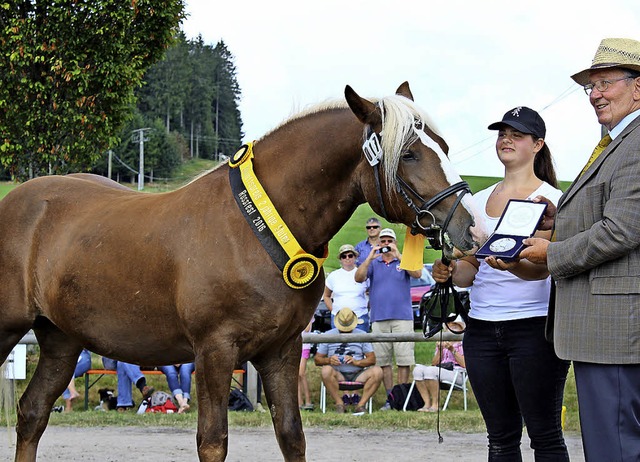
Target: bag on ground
<point>398,395</point>
<point>160,401</point>
<point>238,401</point>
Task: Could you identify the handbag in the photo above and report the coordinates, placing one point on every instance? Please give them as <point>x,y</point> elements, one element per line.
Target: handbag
<point>440,306</point>
<point>447,366</point>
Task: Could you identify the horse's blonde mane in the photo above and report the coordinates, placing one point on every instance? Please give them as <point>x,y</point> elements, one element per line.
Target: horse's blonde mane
<point>399,116</point>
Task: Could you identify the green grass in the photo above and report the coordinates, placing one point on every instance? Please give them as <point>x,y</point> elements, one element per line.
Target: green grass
<point>454,419</point>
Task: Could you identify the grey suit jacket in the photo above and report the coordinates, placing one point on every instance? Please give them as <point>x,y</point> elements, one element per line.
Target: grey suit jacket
<point>595,260</point>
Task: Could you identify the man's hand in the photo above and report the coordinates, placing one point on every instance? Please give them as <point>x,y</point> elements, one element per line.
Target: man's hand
<point>536,250</point>
<point>547,220</point>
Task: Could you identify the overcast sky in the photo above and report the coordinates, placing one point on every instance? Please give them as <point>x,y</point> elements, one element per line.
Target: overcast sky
<point>467,62</point>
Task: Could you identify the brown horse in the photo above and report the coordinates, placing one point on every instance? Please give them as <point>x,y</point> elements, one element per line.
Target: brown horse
<point>165,278</point>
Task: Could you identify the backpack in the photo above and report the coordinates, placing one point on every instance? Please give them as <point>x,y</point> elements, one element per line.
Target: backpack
<point>238,401</point>
<point>160,401</point>
<point>398,395</point>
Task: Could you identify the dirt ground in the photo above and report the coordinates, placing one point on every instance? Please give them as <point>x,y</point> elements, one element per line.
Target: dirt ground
<point>126,444</point>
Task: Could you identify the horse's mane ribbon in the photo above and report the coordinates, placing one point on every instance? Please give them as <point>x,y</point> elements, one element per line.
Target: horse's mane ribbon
<point>299,268</point>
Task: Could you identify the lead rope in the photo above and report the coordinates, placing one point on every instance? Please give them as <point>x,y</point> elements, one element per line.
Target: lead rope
<point>436,312</point>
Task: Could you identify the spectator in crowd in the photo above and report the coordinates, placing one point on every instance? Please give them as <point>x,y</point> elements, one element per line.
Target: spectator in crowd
<point>348,361</point>
<point>514,372</point>
<point>341,289</point>
<point>304,396</point>
<point>594,259</point>
<point>127,375</point>
<point>390,306</point>
<point>82,366</point>
<point>179,381</point>
<point>364,247</point>
<point>448,355</point>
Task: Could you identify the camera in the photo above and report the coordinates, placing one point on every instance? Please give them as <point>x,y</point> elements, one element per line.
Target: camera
<point>385,249</point>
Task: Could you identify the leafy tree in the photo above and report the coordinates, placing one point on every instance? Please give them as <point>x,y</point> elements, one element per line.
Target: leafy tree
<point>195,90</point>
<point>68,70</point>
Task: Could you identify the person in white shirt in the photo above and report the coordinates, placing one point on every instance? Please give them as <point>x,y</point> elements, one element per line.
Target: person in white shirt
<point>514,371</point>
<point>341,290</point>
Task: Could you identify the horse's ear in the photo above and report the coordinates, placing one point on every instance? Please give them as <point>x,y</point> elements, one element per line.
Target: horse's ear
<point>404,90</point>
<point>365,111</point>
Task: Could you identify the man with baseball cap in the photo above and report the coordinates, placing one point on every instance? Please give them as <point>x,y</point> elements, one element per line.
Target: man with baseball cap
<point>390,305</point>
<point>594,259</point>
<point>348,361</point>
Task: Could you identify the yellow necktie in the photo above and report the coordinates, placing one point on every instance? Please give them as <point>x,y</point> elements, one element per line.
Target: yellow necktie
<point>604,142</point>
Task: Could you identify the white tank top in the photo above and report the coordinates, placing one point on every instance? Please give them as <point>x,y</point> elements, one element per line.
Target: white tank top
<point>499,295</point>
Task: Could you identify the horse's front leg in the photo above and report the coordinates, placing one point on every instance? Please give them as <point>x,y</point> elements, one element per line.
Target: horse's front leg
<point>280,380</point>
<point>57,361</point>
<point>214,369</point>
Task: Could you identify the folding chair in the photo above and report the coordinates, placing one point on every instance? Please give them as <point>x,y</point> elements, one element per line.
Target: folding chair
<point>343,386</point>
<point>444,385</point>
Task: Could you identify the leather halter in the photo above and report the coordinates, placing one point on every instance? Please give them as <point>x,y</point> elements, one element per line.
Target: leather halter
<point>436,234</point>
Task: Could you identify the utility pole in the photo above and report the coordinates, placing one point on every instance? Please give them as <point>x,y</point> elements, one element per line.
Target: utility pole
<point>138,135</point>
<point>109,165</point>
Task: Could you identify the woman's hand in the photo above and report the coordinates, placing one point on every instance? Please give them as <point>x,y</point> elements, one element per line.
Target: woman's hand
<point>441,272</point>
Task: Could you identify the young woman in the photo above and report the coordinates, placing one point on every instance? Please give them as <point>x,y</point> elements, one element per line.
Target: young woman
<point>513,370</point>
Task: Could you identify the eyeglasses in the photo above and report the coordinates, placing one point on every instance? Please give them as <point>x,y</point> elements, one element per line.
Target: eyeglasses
<point>346,255</point>
<point>602,85</point>
<point>372,227</point>
<point>386,241</point>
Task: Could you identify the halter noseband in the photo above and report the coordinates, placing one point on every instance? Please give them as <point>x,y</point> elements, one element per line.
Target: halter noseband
<point>435,233</point>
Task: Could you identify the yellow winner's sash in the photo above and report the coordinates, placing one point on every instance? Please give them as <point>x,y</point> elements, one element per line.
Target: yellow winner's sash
<point>299,269</point>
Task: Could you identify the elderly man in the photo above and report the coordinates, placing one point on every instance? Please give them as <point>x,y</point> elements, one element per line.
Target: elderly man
<point>594,258</point>
<point>350,361</point>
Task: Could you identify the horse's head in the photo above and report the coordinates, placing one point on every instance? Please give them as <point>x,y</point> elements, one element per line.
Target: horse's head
<point>411,179</point>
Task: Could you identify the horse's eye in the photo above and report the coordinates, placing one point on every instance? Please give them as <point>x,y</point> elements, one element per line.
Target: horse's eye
<point>408,156</point>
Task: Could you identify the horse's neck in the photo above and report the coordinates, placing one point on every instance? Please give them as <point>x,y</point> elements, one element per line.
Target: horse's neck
<point>311,177</point>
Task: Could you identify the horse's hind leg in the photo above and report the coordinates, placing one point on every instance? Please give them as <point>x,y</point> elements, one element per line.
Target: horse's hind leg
<point>58,357</point>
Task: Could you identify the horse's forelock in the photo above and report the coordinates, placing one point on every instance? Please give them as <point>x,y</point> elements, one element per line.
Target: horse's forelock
<point>399,116</point>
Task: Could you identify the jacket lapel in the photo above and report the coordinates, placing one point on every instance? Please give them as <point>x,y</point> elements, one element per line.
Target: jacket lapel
<point>580,181</point>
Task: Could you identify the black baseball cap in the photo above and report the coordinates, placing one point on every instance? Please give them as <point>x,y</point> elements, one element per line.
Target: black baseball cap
<point>524,120</point>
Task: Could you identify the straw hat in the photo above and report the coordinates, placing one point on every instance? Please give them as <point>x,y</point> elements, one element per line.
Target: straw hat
<point>346,320</point>
<point>347,248</point>
<point>612,52</point>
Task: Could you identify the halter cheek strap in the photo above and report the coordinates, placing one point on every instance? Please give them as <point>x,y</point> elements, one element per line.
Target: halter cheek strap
<point>436,234</point>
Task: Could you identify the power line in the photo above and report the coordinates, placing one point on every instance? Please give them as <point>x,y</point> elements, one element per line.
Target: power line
<point>571,89</point>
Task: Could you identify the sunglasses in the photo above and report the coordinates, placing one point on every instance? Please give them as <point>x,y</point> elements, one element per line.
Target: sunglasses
<point>346,255</point>
<point>372,227</point>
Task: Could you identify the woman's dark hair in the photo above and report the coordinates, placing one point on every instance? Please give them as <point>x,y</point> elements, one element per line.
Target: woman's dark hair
<point>543,166</point>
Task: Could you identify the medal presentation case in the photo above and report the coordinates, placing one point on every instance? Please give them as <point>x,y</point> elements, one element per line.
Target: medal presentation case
<point>518,221</point>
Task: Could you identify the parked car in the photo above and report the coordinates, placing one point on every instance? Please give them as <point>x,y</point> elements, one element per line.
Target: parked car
<point>321,318</point>
<point>421,286</point>
<point>418,288</point>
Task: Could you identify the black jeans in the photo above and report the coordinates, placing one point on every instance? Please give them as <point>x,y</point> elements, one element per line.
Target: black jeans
<point>516,375</point>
